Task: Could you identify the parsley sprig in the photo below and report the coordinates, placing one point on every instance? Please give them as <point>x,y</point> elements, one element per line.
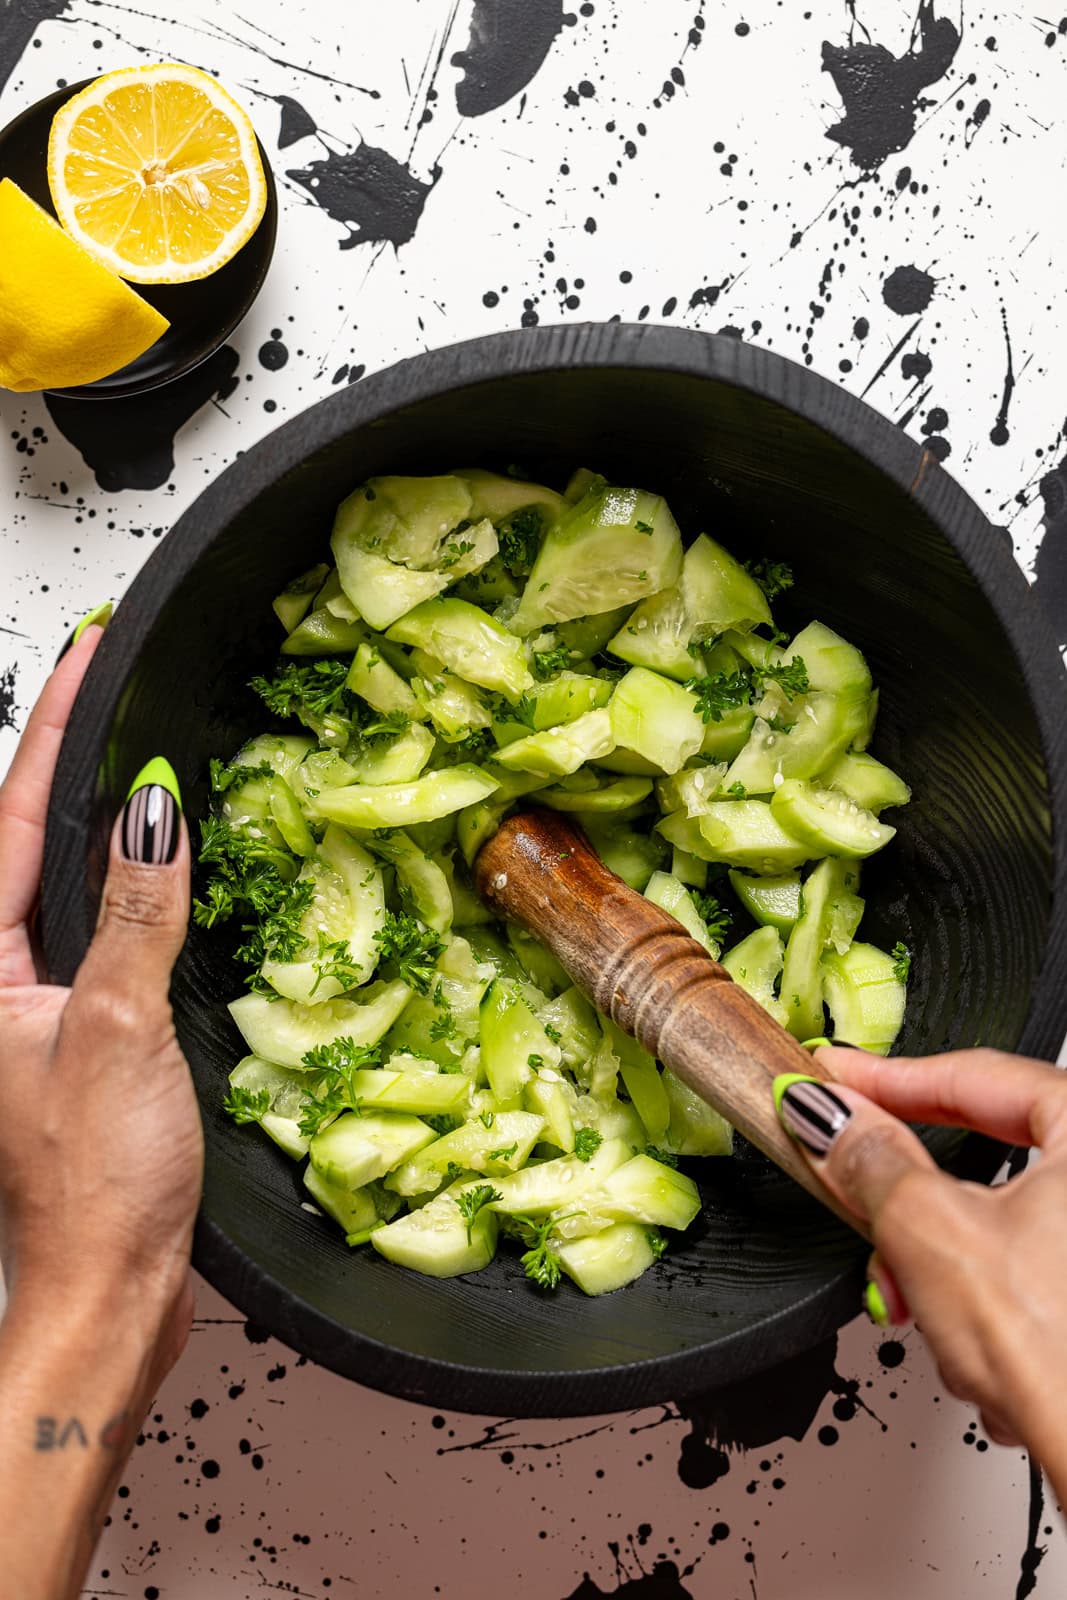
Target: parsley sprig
<point>412,946</point>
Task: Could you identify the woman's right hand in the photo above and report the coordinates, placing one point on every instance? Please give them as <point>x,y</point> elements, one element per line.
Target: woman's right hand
<point>983,1270</point>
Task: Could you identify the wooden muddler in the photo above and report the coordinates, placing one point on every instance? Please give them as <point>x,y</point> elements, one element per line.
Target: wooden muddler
<point>640,967</point>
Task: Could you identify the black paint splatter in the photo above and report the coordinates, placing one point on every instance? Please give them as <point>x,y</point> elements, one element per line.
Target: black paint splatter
<point>1034,1553</point>
<point>297,123</point>
<point>18,24</point>
<point>130,444</point>
<point>255,1334</point>
<point>1050,569</point>
<point>377,198</point>
<point>1000,433</point>
<point>7,697</point>
<point>882,93</point>
<point>273,354</point>
<point>916,365</point>
<point>908,291</point>
<point>664,1582</point>
<point>509,39</point>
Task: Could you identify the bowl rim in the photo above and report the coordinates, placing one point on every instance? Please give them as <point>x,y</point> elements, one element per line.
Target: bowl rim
<point>724,359</point>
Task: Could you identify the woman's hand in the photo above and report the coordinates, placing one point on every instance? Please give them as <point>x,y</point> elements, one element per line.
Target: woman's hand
<point>101,1157</point>
<point>983,1270</point>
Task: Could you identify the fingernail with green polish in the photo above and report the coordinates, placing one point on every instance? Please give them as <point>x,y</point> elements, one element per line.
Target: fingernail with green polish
<point>874,1302</point>
<point>820,1043</point>
<point>783,1082</point>
<point>158,770</point>
<point>98,617</point>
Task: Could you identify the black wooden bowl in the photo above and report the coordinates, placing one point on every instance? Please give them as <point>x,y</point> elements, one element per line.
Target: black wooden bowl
<point>887,549</point>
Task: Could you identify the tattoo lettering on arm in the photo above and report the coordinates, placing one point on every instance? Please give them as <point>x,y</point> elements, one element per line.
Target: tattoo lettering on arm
<point>55,1433</point>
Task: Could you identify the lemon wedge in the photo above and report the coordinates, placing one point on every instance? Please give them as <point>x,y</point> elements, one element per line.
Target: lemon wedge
<point>156,170</point>
<point>64,319</point>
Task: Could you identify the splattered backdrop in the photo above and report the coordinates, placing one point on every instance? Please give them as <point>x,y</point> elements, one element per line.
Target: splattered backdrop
<point>874,190</point>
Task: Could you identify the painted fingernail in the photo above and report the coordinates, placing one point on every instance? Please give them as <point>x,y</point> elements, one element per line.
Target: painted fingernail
<point>816,1044</point>
<point>875,1306</point>
<point>809,1111</point>
<point>149,831</point>
<point>98,617</point>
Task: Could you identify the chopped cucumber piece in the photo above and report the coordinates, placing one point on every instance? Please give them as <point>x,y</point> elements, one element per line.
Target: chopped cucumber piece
<point>289,819</point>
<point>538,962</point>
<point>285,1096</point>
<point>802,978</point>
<point>379,684</point>
<point>467,641</point>
<point>553,1185</point>
<point>384,588</point>
<point>825,725</point>
<point>826,822</point>
<point>713,593</point>
<point>692,790</point>
<point>748,833</point>
<point>772,902</point>
<point>572,1018</point>
<point>347,909</point>
<point>865,997</point>
<point>455,707</point>
<point>657,719</point>
<point>643,1082</point>
<point>323,633</point>
<point>612,548</point>
<point>499,1149</point>
<point>559,751</point>
<point>421,881</point>
<point>725,739</point>
<point>295,599</point>
<point>355,1149</point>
<point>398,760</point>
<point>552,1098</point>
<point>563,699</point>
<point>354,1209</point>
<point>605,798</point>
<point>831,662</point>
<point>586,636</point>
<point>423,1093</point>
<point>648,1191</point>
<point>689,869</point>
<point>438,1240</point>
<point>755,964</point>
<point>400,804</point>
<point>632,856</point>
<point>669,893</point>
<point>514,1043</point>
<point>498,498</point>
<point>603,1262</point>
<point>866,782</point>
<point>695,1129</point>
<point>284,1032</point>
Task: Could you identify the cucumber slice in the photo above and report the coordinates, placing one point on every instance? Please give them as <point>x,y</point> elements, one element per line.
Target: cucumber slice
<point>422,1093</point>
<point>564,698</point>
<point>692,790</point>
<point>289,819</point>
<point>832,663</point>
<point>498,498</point>
<point>846,914</point>
<point>282,751</point>
<point>295,599</point>
<point>865,997</point>
<point>502,1148</point>
<point>455,708</point>
<point>695,1129</point>
<point>826,822</point>
<point>406,519</point>
<point>643,1082</point>
<point>550,1097</point>
<point>748,833</point>
<point>725,739</point>
<point>398,760</point>
<point>802,977</point>
<point>586,636</point>
<point>422,882</point>
<point>603,1262</point>
<point>356,1149</point>
<point>772,902</point>
<point>467,641</point>
<point>605,799</point>
<point>670,894</point>
<point>555,1185</point>
<point>572,1017</point>
<point>713,593</point>
<point>400,804</point>
<point>632,856</point>
<point>648,1191</point>
<point>439,1026</point>
<point>688,868</point>
<point>284,1032</point>
<point>475,824</point>
<point>437,1240</point>
<point>323,633</point>
<point>348,905</point>
<point>514,1043</point>
<point>611,1118</point>
<point>557,752</point>
<point>755,965</point>
<point>825,725</point>
<point>614,547</point>
<point>354,1209</point>
<point>866,782</point>
<point>537,961</point>
<point>655,718</point>
<point>385,589</point>
<point>287,1091</point>
<point>380,685</point>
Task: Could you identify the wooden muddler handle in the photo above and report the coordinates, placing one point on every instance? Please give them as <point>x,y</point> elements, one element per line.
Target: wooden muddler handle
<point>638,966</point>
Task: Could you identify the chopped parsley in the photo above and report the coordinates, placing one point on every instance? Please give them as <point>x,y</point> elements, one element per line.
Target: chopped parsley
<point>773,577</point>
<point>412,946</point>
<point>247,1105</point>
<point>715,917</point>
<point>472,1202</point>
<point>901,961</point>
<point>520,540</point>
<point>586,1143</point>
<point>721,692</point>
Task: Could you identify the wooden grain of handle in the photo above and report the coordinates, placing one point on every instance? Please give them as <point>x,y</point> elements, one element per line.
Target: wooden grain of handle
<point>640,967</point>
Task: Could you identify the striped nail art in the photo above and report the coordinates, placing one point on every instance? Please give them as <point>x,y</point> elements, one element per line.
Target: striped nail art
<point>813,1114</point>
<point>150,826</point>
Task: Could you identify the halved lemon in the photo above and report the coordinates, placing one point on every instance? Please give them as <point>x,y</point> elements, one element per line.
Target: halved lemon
<point>156,170</point>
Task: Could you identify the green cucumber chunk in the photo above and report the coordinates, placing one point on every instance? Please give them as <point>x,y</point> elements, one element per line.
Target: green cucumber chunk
<point>656,719</point>
<point>648,1191</point>
<point>455,707</point>
<point>555,1185</point>
<point>825,726</point>
<point>865,997</point>
<point>514,1042</point>
<point>748,833</point>
<point>324,633</point>
<point>643,1081</point>
<point>670,894</point>
<point>379,684</point>
<point>695,1129</point>
<point>353,1209</point>
<point>826,822</point>
<point>688,868</point>
<point>755,964</point>
<point>802,976</point>
<point>504,1147</point>
<point>295,599</point>
<point>616,546</point>
<point>603,1262</point>
<point>469,642</point>
<point>866,781</point>
<point>421,1093</point>
<point>563,698</point>
<point>550,1097</point>
<point>498,497</point>
<point>632,856</point>
<point>832,663</point>
<point>284,1032</point>
<point>557,752</point>
<point>356,1149</point>
<point>438,794</point>
<point>421,881</point>
<point>604,799</point>
<point>772,902</point>
<point>437,1239</point>
<point>347,906</point>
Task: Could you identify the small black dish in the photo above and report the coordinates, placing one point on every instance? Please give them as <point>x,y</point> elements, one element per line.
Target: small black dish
<point>202,314</point>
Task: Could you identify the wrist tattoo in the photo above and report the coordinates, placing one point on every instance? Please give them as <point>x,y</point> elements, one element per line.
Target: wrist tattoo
<point>70,1433</point>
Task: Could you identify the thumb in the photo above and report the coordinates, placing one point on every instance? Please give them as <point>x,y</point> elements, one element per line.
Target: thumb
<point>144,911</point>
<point>861,1153</point>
